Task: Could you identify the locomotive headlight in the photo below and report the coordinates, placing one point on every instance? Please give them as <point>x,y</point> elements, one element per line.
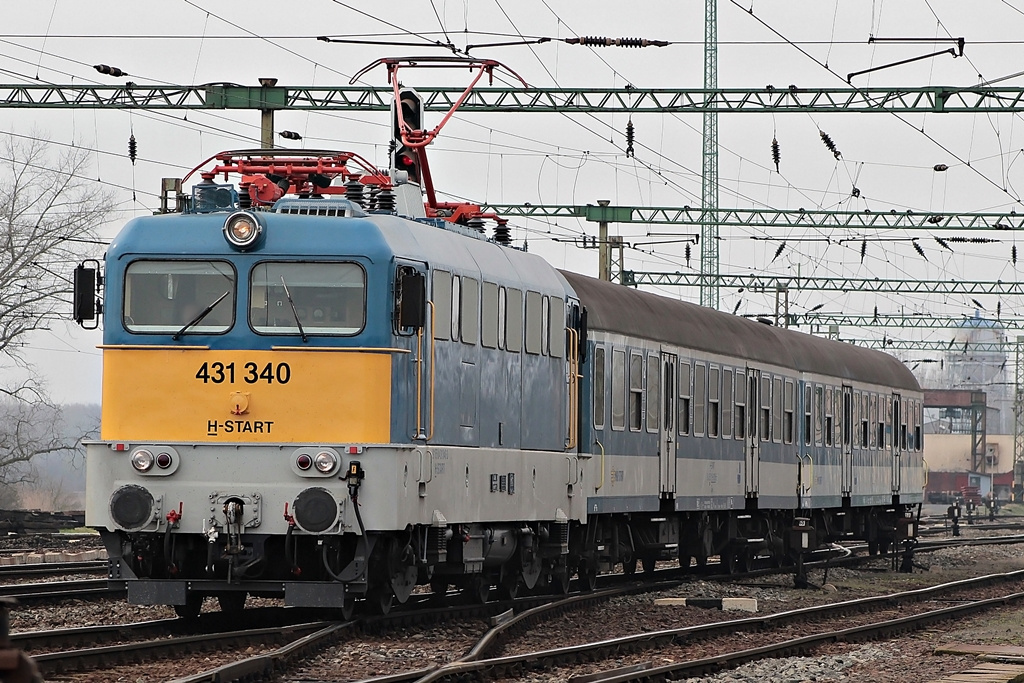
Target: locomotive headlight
<point>242,229</point>
<point>142,460</point>
<point>325,461</point>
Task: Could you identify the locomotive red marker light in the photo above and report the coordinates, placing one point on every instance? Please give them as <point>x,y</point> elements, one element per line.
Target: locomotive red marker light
<point>303,462</point>
<point>163,460</point>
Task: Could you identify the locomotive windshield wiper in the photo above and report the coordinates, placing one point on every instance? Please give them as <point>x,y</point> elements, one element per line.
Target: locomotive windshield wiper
<point>202,314</point>
<point>294,312</point>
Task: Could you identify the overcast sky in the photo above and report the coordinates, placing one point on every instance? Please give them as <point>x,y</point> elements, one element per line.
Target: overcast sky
<point>577,159</point>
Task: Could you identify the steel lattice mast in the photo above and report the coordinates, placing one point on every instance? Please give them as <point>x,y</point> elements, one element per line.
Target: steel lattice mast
<point>709,179</point>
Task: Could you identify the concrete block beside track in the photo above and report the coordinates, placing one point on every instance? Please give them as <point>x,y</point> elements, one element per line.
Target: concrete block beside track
<point>726,604</point>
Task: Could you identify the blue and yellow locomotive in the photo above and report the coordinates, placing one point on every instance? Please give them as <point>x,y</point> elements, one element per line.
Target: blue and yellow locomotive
<point>314,390</point>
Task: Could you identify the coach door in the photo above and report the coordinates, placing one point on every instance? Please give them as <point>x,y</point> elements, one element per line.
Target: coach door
<point>891,439</point>
<point>847,464</point>
<point>667,443</point>
<point>753,441</point>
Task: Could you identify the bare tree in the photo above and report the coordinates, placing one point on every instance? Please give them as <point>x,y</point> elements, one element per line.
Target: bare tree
<point>49,213</point>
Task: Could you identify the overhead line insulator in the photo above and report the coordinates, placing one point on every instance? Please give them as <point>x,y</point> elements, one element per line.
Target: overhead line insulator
<point>597,41</point>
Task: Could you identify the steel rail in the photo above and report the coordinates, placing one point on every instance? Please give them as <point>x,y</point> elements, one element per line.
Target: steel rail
<point>27,593</point>
<point>53,568</point>
<point>545,659</point>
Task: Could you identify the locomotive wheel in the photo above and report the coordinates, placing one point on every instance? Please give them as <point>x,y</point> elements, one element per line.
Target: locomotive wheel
<point>380,599</point>
<point>477,588</point>
<point>629,566</point>
<point>348,608</point>
<point>233,601</point>
<point>649,564</point>
<point>190,610</point>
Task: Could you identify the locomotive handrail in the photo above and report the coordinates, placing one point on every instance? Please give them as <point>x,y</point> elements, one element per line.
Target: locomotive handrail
<point>600,483</point>
<point>340,349</point>
<point>430,431</point>
<point>419,379</point>
<point>153,347</point>
<point>574,377</point>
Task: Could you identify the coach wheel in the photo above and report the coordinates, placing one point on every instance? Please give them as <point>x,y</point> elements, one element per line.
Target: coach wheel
<point>477,588</point>
<point>190,610</point>
<point>560,581</point>
<point>588,576</point>
<point>348,608</point>
<point>872,547</point>
<point>233,601</point>
<point>629,566</point>
<point>439,586</point>
<point>649,564</point>
<point>510,585</point>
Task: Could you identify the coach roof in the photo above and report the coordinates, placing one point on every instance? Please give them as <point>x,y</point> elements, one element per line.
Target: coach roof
<point>615,308</point>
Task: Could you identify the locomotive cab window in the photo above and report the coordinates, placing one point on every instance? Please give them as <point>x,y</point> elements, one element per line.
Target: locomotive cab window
<point>165,296</point>
<point>321,298</point>
<point>442,296</point>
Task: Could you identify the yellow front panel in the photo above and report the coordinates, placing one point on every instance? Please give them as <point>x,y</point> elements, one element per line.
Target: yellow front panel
<point>163,394</point>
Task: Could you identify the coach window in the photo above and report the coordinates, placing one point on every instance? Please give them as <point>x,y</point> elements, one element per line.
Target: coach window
<point>165,296</point>
<point>442,296</point>
<point>685,392</point>
<point>534,332</point>
<point>727,403</point>
<point>873,443</point>
<point>599,394</point>
<point>788,413</point>
<point>837,406</point>
<point>829,425</point>
<point>700,397</point>
<point>514,320</point>
<point>889,424</point>
<point>489,316</point>
<point>741,404</point>
<point>618,389</point>
<point>556,329</point>
<point>326,298</point>
<point>918,441</point>
<point>653,391</point>
<point>865,421</point>
<point>714,399</point>
<point>808,408</point>
<point>819,412</point>
<point>456,307</point>
<point>902,414</point>
<point>777,414</point>
<point>766,408</point>
<point>545,324</point>
<point>636,391</point>
<point>470,310</point>
<point>502,307</point>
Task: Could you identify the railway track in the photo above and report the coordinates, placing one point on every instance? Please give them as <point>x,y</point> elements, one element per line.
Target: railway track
<point>52,569</point>
<point>34,593</point>
<point>476,667</point>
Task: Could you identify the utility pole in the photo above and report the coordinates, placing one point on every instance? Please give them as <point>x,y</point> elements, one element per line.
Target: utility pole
<point>604,254</point>
<point>267,118</point>
<point>709,186</point>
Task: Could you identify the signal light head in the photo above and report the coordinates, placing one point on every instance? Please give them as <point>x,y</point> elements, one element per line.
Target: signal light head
<point>242,230</point>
